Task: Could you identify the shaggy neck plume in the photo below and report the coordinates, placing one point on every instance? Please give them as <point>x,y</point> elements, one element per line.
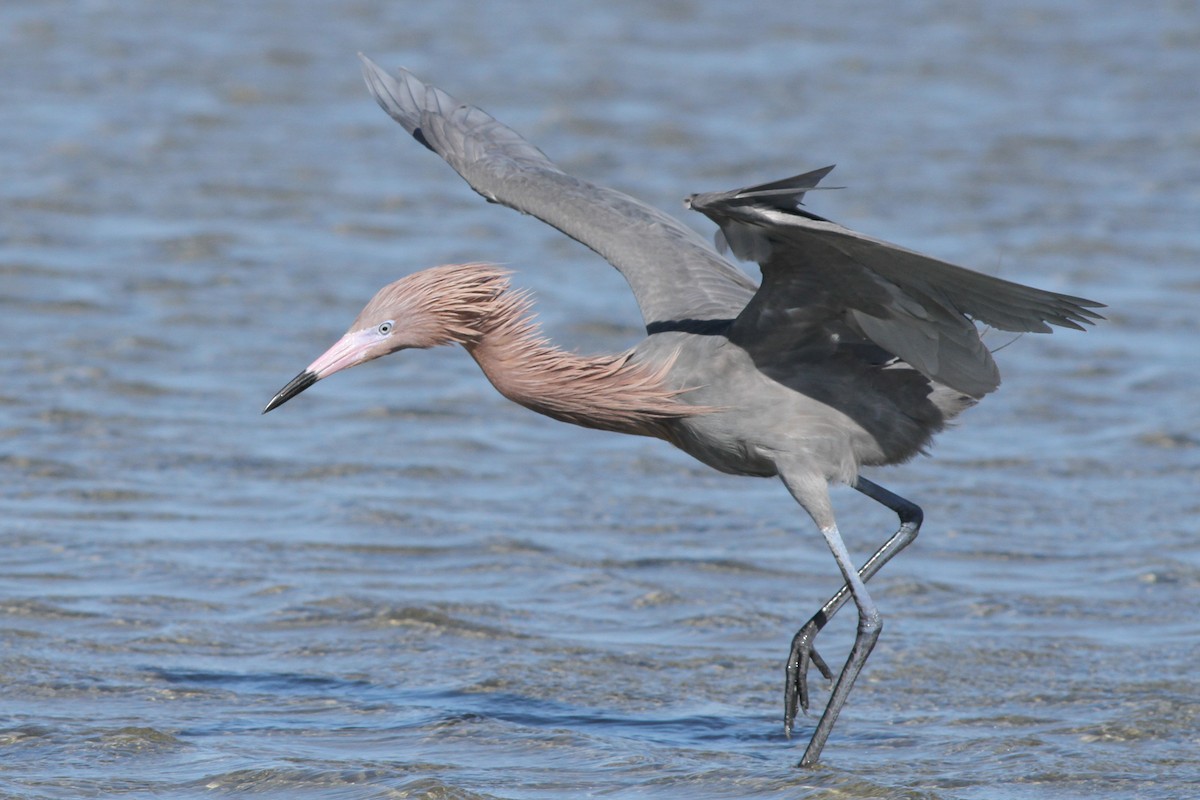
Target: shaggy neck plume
<point>473,305</point>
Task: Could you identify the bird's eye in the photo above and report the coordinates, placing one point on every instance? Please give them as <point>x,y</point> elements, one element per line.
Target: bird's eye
<point>385,328</point>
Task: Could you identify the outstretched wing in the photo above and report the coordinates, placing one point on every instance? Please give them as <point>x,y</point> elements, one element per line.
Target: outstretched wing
<point>821,279</point>
<point>675,275</point>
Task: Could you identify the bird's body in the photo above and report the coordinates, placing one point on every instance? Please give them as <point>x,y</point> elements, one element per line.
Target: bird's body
<point>853,353</point>
<point>847,414</point>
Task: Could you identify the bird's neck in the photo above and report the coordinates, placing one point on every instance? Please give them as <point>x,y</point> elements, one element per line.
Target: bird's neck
<point>609,392</point>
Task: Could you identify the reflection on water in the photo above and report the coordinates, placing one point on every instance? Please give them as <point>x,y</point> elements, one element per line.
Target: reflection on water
<point>403,585</point>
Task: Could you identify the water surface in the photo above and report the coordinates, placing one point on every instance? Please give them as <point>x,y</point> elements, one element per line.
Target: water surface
<point>401,585</point>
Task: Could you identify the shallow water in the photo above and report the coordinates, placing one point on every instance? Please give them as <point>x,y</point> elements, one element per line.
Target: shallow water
<point>402,586</point>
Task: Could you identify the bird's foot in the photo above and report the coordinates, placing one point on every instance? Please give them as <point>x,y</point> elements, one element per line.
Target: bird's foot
<point>802,656</point>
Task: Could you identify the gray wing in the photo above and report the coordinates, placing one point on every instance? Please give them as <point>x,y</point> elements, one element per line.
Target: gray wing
<point>821,280</point>
<point>674,274</point>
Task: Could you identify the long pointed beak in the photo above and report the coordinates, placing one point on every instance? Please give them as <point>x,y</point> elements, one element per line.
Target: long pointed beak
<point>297,385</point>
<point>351,349</point>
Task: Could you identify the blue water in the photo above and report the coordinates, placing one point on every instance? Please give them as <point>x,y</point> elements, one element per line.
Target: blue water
<point>400,585</point>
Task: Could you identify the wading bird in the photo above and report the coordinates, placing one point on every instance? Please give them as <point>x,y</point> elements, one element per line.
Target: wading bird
<point>852,353</point>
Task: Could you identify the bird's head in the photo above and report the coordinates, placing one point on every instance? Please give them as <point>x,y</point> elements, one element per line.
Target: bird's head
<point>442,305</point>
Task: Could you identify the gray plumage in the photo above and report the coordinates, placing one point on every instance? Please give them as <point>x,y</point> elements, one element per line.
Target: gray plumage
<point>673,272</point>
<point>853,352</point>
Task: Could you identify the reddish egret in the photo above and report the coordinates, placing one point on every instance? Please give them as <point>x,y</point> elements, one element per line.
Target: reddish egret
<point>852,353</point>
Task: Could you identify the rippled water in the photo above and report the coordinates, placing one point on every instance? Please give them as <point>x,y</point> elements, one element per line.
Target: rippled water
<point>402,586</point>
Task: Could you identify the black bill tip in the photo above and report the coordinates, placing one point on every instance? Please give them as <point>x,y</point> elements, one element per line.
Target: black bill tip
<point>297,385</point>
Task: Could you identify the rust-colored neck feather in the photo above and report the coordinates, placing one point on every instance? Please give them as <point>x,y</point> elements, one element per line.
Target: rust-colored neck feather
<point>473,305</point>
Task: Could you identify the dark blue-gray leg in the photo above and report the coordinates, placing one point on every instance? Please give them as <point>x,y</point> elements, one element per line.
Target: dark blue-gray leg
<point>803,654</point>
<point>869,628</point>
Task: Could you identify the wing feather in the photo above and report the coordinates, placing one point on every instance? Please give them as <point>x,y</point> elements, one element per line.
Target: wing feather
<point>674,274</point>
<point>821,279</point>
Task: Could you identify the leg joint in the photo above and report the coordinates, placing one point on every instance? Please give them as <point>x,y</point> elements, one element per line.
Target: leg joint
<point>911,515</point>
<point>870,623</point>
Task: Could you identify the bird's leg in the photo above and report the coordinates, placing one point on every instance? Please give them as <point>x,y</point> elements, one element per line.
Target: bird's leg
<point>803,653</point>
<point>811,490</point>
<point>869,628</point>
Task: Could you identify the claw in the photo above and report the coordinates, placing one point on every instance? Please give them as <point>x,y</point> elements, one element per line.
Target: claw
<point>802,656</point>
